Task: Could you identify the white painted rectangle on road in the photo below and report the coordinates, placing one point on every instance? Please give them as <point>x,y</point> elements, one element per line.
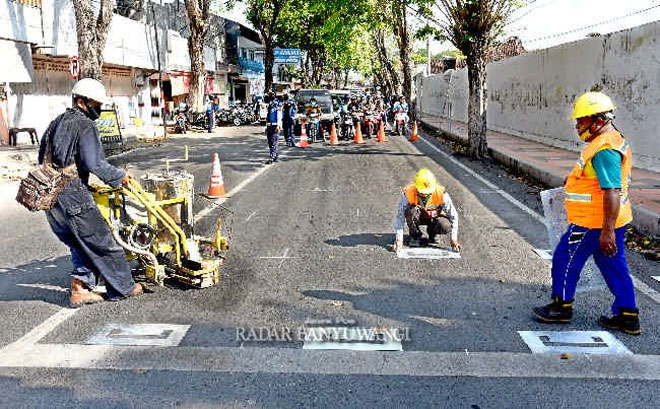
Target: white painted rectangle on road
<point>656,278</point>
<point>544,254</point>
<point>430,253</point>
<point>139,334</point>
<point>574,342</point>
<point>353,338</point>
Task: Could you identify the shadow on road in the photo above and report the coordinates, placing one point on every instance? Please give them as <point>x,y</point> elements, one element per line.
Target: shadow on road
<point>42,280</point>
<point>383,240</point>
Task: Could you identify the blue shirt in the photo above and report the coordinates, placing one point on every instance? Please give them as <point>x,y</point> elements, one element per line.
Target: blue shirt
<point>272,113</point>
<point>607,164</point>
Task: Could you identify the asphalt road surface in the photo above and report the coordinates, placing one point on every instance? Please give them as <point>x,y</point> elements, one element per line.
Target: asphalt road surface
<point>311,242</point>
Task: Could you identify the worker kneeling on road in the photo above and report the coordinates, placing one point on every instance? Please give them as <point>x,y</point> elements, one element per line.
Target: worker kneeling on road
<point>598,210</point>
<point>425,202</point>
<point>75,219</point>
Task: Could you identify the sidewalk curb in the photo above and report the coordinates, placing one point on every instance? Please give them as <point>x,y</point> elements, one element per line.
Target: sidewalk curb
<point>644,219</point>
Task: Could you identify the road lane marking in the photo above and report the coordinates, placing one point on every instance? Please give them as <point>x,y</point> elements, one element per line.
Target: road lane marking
<point>139,334</point>
<point>639,285</point>
<point>428,253</point>
<point>320,362</point>
<point>656,278</point>
<point>24,345</point>
<point>199,216</point>
<point>481,179</point>
<point>543,254</point>
<point>45,287</point>
<point>573,342</point>
<point>251,216</point>
<point>283,257</point>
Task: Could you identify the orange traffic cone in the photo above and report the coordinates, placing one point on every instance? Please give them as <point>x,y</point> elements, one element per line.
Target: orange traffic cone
<point>217,185</point>
<point>413,135</point>
<point>304,142</point>
<point>358,134</point>
<point>333,135</point>
<point>381,133</point>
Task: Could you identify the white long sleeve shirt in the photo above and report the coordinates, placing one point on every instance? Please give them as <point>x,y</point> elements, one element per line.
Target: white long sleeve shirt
<point>447,209</point>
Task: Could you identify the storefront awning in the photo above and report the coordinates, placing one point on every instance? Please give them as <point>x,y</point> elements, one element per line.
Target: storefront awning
<point>16,62</point>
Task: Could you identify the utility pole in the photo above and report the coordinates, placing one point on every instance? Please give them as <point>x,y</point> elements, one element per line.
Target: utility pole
<point>160,72</point>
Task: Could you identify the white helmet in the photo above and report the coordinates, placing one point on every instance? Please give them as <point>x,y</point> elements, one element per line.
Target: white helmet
<point>90,89</point>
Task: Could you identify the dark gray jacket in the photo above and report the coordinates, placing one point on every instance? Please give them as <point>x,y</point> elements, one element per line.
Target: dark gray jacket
<point>75,138</point>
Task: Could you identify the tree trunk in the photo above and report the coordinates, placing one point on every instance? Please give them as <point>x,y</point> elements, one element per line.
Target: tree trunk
<point>346,71</point>
<point>477,106</point>
<point>92,31</point>
<point>198,16</point>
<point>388,73</point>
<point>197,71</point>
<point>269,59</point>
<point>403,40</point>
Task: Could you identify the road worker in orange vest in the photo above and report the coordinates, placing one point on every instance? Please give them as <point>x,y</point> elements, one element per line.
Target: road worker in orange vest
<point>427,203</point>
<point>598,210</point>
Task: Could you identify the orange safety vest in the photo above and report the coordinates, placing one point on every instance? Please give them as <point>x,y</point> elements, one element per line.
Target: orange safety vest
<point>584,197</point>
<point>434,202</point>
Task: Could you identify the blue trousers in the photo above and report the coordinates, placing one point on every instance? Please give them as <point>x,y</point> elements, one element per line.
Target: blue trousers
<point>273,140</point>
<point>78,223</point>
<point>209,116</point>
<point>288,133</point>
<point>573,251</point>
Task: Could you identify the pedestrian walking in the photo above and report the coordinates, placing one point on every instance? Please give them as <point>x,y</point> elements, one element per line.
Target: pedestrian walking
<point>288,115</point>
<point>209,113</point>
<point>426,203</point>
<point>272,127</point>
<point>598,210</point>
<point>75,219</point>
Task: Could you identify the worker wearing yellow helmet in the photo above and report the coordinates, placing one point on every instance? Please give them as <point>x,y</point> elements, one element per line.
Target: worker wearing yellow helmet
<point>426,203</point>
<point>598,210</point>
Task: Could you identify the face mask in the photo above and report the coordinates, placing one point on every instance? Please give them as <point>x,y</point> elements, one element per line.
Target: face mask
<point>584,136</point>
<point>93,111</point>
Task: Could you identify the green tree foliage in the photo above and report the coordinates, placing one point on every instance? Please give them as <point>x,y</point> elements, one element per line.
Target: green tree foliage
<point>265,17</point>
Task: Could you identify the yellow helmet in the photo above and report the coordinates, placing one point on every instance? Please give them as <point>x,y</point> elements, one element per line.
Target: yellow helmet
<point>591,103</point>
<point>425,181</point>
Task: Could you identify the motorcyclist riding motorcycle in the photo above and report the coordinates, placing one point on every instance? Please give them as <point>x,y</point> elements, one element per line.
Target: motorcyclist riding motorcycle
<point>313,110</point>
<point>401,115</point>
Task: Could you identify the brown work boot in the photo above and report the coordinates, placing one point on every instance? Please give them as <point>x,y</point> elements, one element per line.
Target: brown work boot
<point>137,290</point>
<point>80,294</point>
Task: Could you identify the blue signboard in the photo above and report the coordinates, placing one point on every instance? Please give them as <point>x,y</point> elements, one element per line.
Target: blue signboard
<point>286,55</point>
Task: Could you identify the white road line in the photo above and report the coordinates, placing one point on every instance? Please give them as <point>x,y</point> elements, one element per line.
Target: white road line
<point>231,193</point>
<point>491,185</point>
<point>45,287</point>
<point>639,285</point>
<point>251,215</point>
<point>37,333</point>
<point>298,361</point>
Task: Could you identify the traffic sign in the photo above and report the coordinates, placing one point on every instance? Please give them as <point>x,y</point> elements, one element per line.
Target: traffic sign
<point>74,67</point>
<point>286,56</point>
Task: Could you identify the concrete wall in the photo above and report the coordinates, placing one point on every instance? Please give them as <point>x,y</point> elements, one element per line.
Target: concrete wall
<point>19,22</point>
<point>532,95</point>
